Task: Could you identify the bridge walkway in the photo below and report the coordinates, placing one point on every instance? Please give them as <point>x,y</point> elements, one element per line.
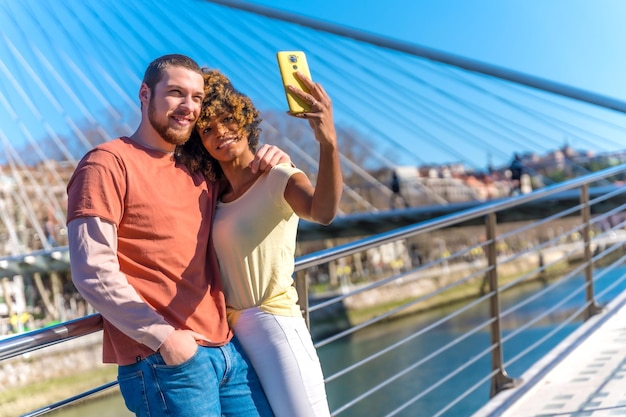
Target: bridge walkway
<point>584,376</point>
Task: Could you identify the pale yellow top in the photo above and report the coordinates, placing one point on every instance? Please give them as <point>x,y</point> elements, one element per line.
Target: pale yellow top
<point>255,241</point>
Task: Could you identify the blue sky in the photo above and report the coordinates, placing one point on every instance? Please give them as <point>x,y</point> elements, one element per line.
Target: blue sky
<point>79,63</point>
<point>575,42</point>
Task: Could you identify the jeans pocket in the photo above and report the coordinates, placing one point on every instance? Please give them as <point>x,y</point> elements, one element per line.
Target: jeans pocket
<point>161,365</point>
<point>189,389</point>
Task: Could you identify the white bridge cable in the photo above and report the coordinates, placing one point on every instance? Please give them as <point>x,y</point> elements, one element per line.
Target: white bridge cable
<point>51,132</point>
<point>488,122</point>
<point>34,109</point>
<point>440,119</point>
<point>110,108</point>
<point>495,120</point>
<point>581,115</point>
<point>362,88</point>
<point>131,71</point>
<point>588,135</point>
<point>364,85</point>
<point>43,87</point>
<point>77,103</point>
<point>481,112</point>
<point>469,105</point>
<point>241,55</point>
<point>95,92</point>
<point>26,133</point>
<point>33,75</point>
<point>537,116</point>
<point>78,132</point>
<point>131,55</point>
<point>117,47</point>
<point>446,119</point>
<point>556,123</point>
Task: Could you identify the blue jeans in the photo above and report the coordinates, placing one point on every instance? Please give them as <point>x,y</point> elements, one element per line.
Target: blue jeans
<point>216,381</point>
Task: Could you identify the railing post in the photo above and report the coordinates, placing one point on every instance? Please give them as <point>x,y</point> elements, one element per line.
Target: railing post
<point>592,307</point>
<point>302,287</point>
<point>500,380</point>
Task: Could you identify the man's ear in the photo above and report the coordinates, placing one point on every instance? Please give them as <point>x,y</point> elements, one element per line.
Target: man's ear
<point>144,93</point>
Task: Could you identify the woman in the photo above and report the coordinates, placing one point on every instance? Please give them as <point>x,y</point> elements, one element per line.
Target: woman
<point>255,233</point>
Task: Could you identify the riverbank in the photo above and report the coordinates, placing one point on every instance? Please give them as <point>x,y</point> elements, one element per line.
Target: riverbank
<point>410,294</point>
<point>40,378</point>
<point>21,400</point>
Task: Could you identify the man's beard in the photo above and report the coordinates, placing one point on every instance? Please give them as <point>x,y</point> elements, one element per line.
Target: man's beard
<point>175,137</point>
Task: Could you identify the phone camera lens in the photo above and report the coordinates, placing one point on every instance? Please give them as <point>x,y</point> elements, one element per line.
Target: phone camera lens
<point>293,58</point>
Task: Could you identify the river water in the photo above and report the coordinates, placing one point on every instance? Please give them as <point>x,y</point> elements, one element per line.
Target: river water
<point>384,401</point>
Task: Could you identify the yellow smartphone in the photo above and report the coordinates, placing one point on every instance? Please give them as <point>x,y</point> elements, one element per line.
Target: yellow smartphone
<point>289,62</point>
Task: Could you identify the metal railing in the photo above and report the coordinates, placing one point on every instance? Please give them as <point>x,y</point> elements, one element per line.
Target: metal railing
<point>466,261</point>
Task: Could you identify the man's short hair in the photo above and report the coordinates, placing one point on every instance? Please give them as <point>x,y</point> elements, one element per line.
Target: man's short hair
<point>156,68</point>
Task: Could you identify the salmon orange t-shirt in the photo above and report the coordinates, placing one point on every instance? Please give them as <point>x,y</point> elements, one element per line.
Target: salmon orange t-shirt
<point>163,217</point>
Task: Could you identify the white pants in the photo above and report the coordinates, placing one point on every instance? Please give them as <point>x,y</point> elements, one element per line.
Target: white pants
<point>282,353</point>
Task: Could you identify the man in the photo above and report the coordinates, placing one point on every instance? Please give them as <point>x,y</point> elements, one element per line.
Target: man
<point>517,170</point>
<point>139,237</point>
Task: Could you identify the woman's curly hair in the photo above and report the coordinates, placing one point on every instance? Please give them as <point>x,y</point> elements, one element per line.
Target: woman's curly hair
<point>220,97</point>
